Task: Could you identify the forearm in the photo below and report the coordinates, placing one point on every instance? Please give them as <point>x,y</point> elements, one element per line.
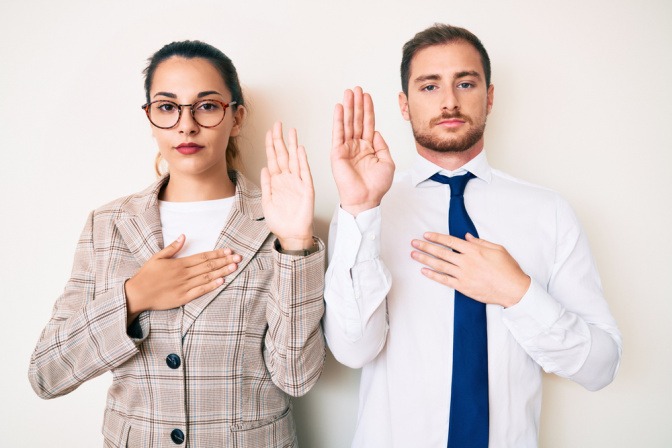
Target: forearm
<point>294,344</point>
<point>357,283</point>
<point>584,348</point>
<point>80,344</point>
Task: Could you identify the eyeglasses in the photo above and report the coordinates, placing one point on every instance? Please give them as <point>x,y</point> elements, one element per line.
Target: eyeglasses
<point>206,113</point>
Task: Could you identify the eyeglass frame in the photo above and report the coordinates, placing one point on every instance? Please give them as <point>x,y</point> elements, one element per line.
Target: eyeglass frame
<point>146,107</point>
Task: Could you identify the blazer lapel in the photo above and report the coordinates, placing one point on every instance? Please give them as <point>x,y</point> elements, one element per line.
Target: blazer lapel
<point>139,223</point>
<point>244,232</point>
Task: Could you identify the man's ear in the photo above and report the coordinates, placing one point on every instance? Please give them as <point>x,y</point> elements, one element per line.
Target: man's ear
<point>238,120</point>
<point>491,97</point>
<point>403,106</point>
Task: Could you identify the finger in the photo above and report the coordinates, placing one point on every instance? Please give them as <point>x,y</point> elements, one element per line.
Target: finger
<point>265,182</point>
<point>380,145</point>
<point>358,115</point>
<point>280,148</point>
<point>450,241</point>
<point>304,168</point>
<point>438,277</point>
<point>483,243</point>
<point>436,251</point>
<point>172,249</point>
<point>214,267</point>
<point>202,257</point>
<point>348,111</point>
<point>208,276</point>
<point>200,290</point>
<point>369,119</point>
<point>337,131</point>
<point>271,159</point>
<point>293,143</point>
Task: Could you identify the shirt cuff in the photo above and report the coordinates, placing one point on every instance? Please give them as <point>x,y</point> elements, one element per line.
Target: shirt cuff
<point>537,311</point>
<point>358,239</point>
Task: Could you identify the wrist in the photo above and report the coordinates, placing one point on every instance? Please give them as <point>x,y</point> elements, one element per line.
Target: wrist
<point>304,247</point>
<point>133,304</point>
<point>522,286</point>
<point>356,209</point>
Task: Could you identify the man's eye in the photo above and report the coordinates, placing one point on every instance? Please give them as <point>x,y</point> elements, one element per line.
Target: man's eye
<point>430,88</point>
<point>465,85</point>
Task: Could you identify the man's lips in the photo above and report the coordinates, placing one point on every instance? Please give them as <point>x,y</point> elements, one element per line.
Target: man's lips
<point>450,122</point>
<point>188,148</point>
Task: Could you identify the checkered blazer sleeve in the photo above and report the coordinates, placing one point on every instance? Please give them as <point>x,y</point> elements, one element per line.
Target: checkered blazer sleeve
<point>294,346</point>
<point>86,335</point>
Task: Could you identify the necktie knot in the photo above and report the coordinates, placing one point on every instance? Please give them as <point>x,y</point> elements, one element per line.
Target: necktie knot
<point>457,183</point>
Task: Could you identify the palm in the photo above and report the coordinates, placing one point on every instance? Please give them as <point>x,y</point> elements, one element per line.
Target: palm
<point>362,176</point>
<point>288,209</point>
<point>360,159</point>
<point>287,194</point>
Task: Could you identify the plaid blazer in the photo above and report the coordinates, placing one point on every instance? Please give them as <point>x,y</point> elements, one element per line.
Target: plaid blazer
<point>217,372</point>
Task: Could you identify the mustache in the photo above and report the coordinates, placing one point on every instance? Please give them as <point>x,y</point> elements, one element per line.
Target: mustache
<point>449,116</point>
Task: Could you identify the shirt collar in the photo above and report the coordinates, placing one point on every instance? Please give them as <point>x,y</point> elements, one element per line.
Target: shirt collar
<point>423,169</point>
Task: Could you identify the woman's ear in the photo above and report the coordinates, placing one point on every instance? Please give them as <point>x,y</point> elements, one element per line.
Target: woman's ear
<point>238,119</point>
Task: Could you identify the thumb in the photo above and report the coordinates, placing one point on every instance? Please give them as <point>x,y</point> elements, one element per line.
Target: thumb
<point>172,249</point>
<point>380,145</point>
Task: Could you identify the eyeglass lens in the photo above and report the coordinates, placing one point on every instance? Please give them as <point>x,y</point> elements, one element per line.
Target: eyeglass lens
<point>166,114</point>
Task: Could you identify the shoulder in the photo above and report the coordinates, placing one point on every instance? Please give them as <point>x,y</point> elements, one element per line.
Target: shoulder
<point>132,204</point>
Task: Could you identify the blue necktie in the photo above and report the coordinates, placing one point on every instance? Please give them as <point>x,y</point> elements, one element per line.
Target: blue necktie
<point>469,420</point>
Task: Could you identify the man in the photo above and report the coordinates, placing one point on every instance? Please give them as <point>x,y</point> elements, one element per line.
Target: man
<point>407,302</point>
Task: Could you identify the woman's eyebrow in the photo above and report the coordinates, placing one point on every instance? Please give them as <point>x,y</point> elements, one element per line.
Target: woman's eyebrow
<point>168,94</point>
<point>208,92</point>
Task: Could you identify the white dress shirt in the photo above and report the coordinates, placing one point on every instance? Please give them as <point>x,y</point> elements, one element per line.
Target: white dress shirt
<point>398,325</point>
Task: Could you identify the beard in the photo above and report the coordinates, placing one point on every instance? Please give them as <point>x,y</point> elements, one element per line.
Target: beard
<point>458,144</point>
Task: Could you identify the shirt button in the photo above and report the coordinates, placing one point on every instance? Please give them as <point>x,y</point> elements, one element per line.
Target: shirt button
<point>177,436</point>
<point>372,236</point>
<point>173,361</point>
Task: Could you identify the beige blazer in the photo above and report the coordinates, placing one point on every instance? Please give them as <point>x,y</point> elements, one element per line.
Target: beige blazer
<point>217,372</point>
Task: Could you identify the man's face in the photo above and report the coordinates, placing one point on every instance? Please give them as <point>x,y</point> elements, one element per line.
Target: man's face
<point>448,101</point>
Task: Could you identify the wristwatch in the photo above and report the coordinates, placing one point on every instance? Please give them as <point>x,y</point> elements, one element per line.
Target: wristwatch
<point>303,252</point>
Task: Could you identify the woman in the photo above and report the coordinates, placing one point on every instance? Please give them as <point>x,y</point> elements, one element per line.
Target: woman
<point>205,346</point>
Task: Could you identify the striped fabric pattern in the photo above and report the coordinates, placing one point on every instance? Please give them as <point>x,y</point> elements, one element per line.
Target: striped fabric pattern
<point>244,348</point>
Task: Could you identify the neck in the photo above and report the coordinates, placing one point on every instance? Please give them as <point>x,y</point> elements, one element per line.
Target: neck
<point>184,188</point>
<point>450,160</point>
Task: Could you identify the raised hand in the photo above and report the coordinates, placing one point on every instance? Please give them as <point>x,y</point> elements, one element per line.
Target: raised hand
<point>287,194</point>
<point>477,268</point>
<point>164,282</point>
<point>360,159</point>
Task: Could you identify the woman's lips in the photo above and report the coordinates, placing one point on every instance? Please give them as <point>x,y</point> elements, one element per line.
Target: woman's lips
<point>188,148</point>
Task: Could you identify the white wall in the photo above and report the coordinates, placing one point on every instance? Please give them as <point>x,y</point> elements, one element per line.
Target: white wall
<point>582,105</point>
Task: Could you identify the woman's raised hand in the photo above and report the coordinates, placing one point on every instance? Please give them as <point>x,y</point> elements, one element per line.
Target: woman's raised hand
<point>360,159</point>
<point>164,282</point>
<point>288,197</point>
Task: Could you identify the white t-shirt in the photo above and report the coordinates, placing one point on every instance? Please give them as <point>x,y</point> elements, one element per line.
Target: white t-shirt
<point>201,223</point>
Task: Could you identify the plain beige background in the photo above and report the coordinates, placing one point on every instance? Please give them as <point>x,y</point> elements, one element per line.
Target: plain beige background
<point>582,105</point>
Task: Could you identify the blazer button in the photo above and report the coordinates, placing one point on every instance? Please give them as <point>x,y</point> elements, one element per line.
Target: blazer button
<point>173,361</point>
<point>177,436</point>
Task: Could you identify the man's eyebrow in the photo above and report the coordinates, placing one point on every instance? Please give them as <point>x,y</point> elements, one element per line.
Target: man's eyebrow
<point>430,77</point>
<point>465,73</point>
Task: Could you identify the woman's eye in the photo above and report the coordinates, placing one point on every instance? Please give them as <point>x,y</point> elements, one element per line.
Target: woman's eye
<point>166,107</point>
<point>208,106</point>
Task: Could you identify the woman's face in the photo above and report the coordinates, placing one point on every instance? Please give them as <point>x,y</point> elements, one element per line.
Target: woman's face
<point>190,149</point>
